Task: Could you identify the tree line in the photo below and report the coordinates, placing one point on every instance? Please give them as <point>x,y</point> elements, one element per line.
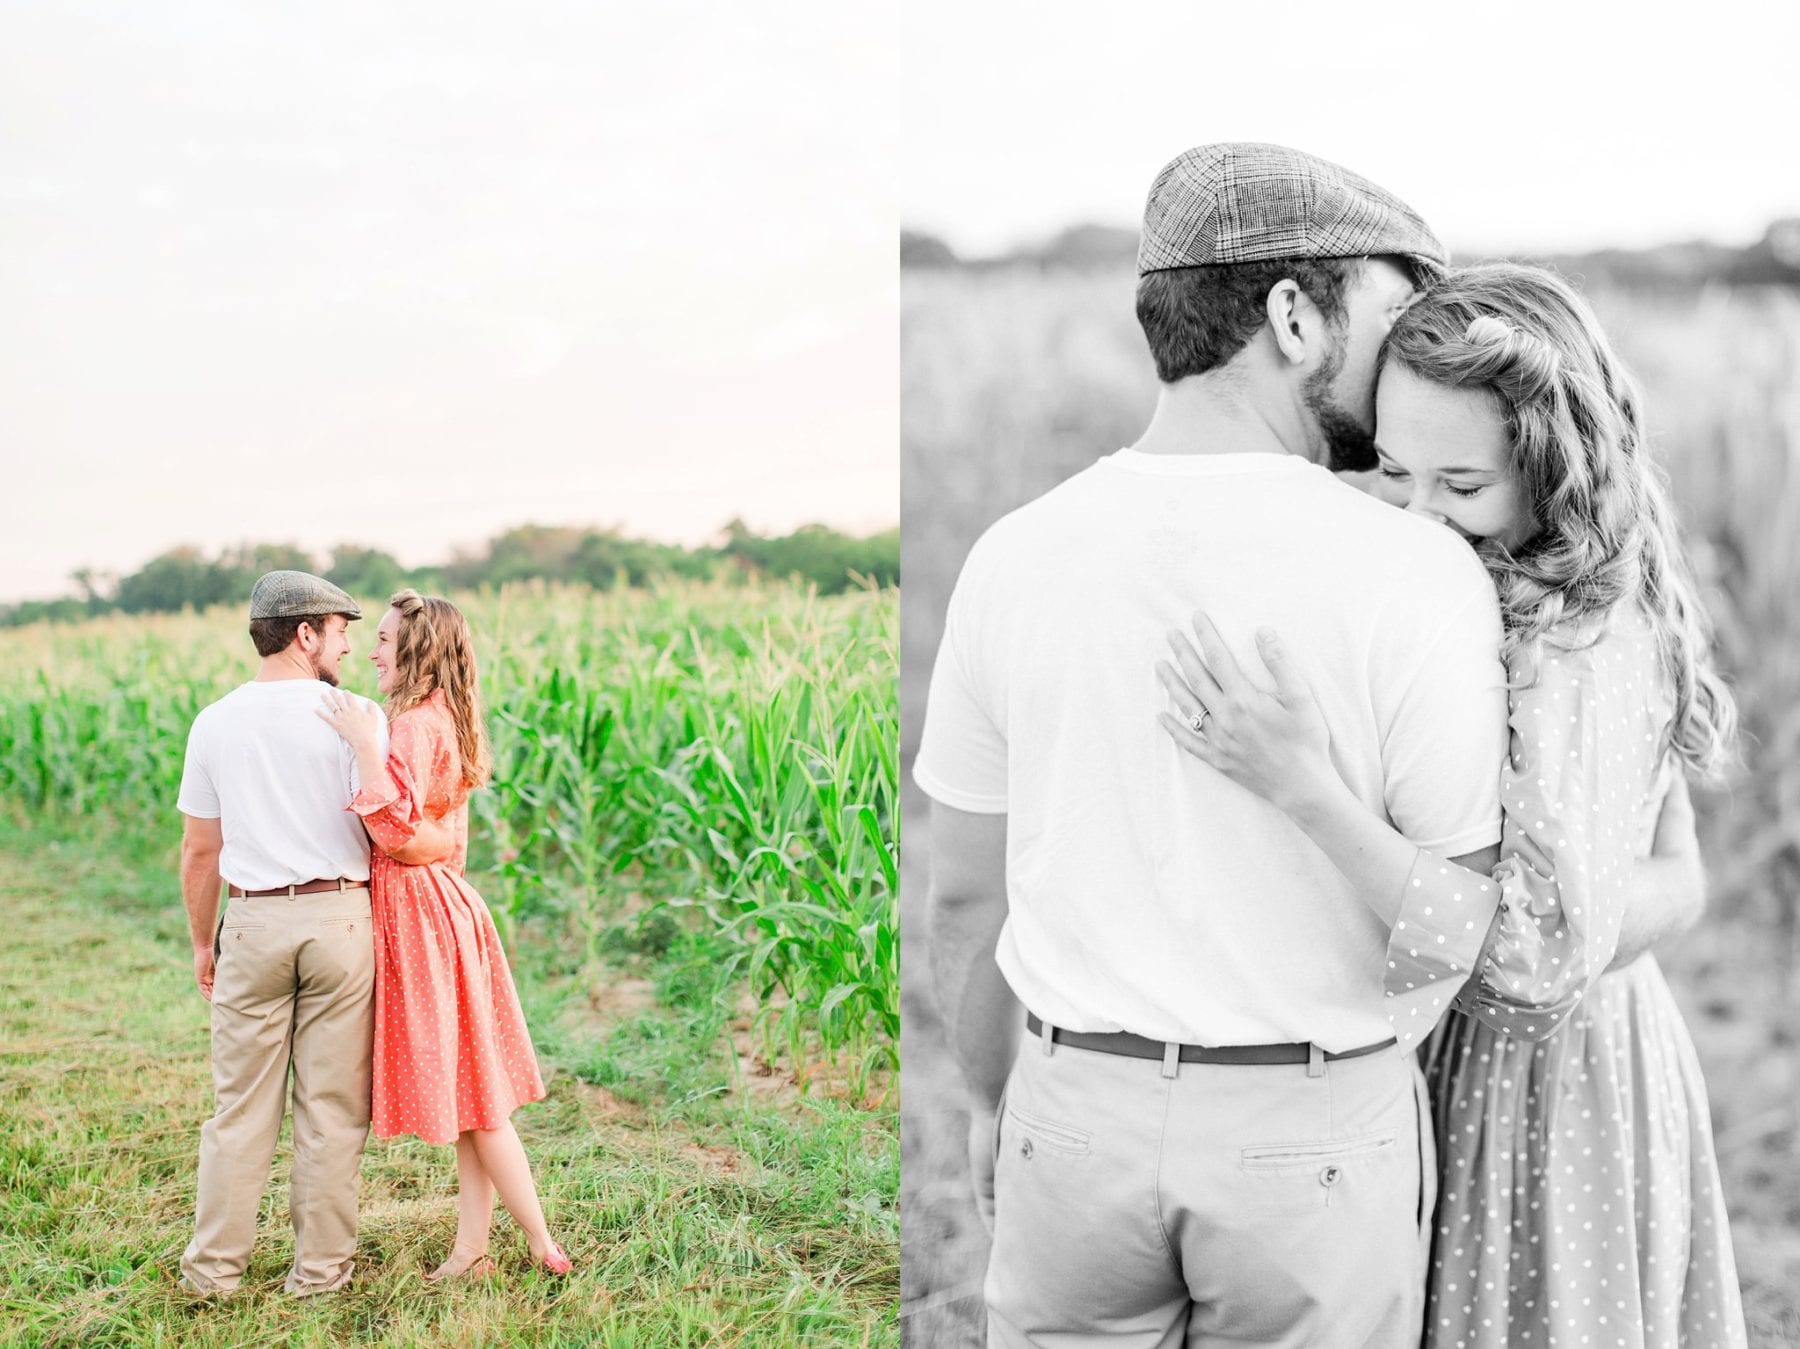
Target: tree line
<point>186,577</point>
<point>1772,260</point>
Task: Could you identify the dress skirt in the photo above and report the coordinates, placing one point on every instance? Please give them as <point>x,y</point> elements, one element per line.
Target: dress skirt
<point>451,1049</point>
<point>1580,1202</point>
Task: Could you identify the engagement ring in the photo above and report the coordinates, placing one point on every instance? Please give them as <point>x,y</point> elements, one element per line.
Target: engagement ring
<point>1198,721</point>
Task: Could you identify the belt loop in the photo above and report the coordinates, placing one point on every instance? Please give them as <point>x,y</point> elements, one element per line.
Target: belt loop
<point>1315,1061</point>
<point>1049,1035</point>
<point>1171,1058</point>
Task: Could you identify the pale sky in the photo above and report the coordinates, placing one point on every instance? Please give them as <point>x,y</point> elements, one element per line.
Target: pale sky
<point>1537,126</point>
<point>405,274</point>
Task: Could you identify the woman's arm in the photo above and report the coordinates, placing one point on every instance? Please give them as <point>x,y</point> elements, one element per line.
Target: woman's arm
<point>1549,912</point>
<point>1278,745</point>
<point>392,790</point>
<point>431,842</point>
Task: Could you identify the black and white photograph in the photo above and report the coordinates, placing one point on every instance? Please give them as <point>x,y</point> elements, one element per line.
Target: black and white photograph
<point>1350,678</point>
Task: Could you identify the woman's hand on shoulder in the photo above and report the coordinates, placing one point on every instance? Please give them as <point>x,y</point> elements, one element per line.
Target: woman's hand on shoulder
<point>1273,742</point>
<point>356,719</point>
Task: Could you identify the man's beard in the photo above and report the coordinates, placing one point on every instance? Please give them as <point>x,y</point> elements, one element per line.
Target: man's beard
<point>325,676</point>
<point>1348,448</point>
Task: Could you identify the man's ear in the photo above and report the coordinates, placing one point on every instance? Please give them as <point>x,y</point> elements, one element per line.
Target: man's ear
<point>1285,307</point>
<point>308,637</point>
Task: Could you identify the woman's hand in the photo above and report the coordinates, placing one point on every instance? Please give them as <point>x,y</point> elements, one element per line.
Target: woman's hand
<point>1275,743</point>
<point>358,721</point>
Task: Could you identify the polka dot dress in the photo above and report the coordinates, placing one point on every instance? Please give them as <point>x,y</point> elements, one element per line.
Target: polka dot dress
<point>451,1049</point>
<point>1580,1200</point>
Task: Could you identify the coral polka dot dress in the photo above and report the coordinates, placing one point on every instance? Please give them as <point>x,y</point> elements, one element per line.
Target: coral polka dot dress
<point>451,1049</point>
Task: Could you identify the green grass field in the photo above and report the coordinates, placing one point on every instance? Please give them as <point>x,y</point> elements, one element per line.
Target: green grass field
<point>719,1146</point>
<point>1014,379</point>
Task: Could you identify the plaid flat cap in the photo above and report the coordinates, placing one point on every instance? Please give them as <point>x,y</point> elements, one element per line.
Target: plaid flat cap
<point>1249,202</point>
<point>295,594</point>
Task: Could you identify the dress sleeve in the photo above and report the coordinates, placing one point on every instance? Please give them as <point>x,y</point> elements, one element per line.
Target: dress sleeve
<point>1550,913</point>
<point>393,805</point>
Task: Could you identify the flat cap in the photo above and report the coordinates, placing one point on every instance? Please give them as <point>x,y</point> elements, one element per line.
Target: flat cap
<point>1244,201</point>
<point>296,594</point>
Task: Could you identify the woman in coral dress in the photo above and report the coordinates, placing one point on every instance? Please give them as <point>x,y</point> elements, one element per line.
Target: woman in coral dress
<point>1579,1200</point>
<point>452,1058</point>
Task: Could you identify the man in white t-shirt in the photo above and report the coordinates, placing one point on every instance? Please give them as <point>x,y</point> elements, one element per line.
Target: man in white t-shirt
<point>290,971</point>
<point>1209,1133</point>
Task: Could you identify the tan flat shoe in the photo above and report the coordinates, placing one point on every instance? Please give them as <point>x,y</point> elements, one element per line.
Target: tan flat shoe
<point>463,1264</point>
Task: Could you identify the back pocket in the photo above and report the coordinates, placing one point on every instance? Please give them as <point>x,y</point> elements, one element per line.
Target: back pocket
<point>1049,1133</point>
<point>1281,1156</point>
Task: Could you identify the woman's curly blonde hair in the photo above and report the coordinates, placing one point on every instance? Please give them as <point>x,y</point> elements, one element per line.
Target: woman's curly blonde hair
<point>1606,531</point>
<point>433,650</point>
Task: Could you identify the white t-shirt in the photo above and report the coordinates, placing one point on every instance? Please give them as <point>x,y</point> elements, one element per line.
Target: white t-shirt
<point>279,781</point>
<point>1146,891</point>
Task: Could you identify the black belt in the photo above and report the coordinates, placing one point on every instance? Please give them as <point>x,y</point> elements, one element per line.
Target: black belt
<point>1142,1047</point>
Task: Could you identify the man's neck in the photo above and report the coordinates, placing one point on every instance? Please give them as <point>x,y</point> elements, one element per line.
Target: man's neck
<point>1220,412</point>
<point>287,664</point>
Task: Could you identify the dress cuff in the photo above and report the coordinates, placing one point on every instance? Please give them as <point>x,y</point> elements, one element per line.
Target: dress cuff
<point>1446,915</point>
<point>374,798</point>
<point>1528,984</point>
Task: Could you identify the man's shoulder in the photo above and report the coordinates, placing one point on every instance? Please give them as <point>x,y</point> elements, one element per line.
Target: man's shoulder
<point>220,708</point>
<point>1069,494</point>
<point>273,703</point>
<point>1037,524</point>
<point>1433,558</point>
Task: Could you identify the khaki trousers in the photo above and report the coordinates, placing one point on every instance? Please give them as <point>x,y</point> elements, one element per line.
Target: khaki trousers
<point>293,984</point>
<point>1219,1205</point>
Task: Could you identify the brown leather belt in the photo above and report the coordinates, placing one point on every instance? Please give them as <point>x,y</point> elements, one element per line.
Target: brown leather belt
<point>1142,1047</point>
<point>304,888</point>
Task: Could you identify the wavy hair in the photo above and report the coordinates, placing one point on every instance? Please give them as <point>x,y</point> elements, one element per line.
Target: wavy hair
<point>1606,531</point>
<point>433,650</point>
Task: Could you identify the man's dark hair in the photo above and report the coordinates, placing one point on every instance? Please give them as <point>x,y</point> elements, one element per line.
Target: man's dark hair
<point>1197,318</point>
<point>274,634</point>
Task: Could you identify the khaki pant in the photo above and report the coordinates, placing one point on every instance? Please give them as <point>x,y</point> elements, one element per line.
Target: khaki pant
<point>1223,1205</point>
<point>294,983</point>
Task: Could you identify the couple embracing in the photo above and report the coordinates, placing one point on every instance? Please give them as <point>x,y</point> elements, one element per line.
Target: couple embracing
<point>374,975</point>
<point>1249,785</point>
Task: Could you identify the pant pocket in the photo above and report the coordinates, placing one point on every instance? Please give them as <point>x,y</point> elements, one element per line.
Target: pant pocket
<point>1034,1131</point>
<point>340,953</point>
<point>241,955</point>
<point>1280,1156</point>
<point>1316,1174</point>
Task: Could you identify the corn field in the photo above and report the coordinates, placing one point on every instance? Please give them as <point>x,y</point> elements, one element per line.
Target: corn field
<point>727,751</point>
